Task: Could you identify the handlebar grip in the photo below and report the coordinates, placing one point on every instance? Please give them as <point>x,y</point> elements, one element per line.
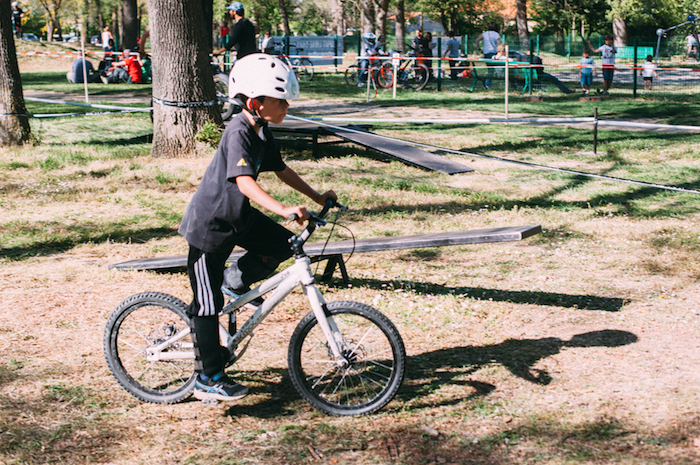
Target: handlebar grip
<point>293,217</point>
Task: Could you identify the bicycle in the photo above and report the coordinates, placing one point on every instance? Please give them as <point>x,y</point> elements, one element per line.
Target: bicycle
<point>409,73</point>
<point>226,106</point>
<point>380,77</point>
<point>302,67</point>
<point>344,357</point>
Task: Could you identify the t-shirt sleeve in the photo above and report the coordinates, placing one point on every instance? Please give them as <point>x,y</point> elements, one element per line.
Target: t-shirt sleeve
<point>238,154</point>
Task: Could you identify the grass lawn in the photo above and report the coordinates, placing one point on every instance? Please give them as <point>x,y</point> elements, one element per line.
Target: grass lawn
<point>578,345</point>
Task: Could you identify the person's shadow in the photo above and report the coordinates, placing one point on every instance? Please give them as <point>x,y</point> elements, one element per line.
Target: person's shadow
<point>429,371</point>
<point>426,373</point>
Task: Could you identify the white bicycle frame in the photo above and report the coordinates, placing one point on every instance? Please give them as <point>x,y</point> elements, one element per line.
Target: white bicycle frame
<point>281,285</point>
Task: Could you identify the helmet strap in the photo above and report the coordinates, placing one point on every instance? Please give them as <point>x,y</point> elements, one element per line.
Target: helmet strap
<point>252,108</point>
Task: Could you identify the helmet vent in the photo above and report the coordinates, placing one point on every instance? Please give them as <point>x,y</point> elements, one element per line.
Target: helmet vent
<point>279,89</point>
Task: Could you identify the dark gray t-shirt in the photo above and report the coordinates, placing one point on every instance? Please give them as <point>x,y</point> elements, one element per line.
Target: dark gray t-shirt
<point>218,211</point>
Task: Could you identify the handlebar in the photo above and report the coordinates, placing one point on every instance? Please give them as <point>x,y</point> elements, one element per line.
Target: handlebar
<point>315,220</point>
<point>319,217</point>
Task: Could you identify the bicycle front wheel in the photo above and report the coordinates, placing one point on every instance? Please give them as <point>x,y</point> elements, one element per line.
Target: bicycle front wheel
<point>352,75</point>
<point>225,107</point>
<point>385,75</point>
<point>373,349</point>
<point>139,324</point>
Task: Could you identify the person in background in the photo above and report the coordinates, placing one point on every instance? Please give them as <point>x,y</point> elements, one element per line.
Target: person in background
<point>268,44</point>
<point>415,43</point>
<point>452,53</point>
<point>75,75</point>
<point>607,53</point>
<point>106,37</point>
<point>692,45</point>
<point>242,33</point>
<point>491,40</point>
<point>223,33</point>
<point>427,47</point>
<point>17,15</point>
<point>367,51</point>
<point>586,71</point>
<point>127,71</point>
<point>648,72</point>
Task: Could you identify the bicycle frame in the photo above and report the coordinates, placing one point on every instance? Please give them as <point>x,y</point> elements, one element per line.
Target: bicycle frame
<point>281,285</point>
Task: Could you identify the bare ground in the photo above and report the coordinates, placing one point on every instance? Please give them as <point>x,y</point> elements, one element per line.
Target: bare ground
<point>578,346</point>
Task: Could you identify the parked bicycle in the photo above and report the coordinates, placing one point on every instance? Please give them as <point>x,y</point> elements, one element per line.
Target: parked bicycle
<point>344,357</point>
<point>302,67</point>
<point>226,107</point>
<point>380,77</point>
<point>409,73</point>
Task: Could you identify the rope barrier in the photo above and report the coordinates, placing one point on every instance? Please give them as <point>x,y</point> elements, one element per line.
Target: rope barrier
<point>506,160</point>
<point>168,103</point>
<point>454,121</point>
<point>90,105</point>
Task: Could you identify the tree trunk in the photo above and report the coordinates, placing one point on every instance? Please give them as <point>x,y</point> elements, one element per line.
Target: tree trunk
<point>382,7</point>
<point>182,75</point>
<point>367,16</point>
<point>521,22</point>
<point>620,32</point>
<point>14,122</point>
<point>285,18</point>
<point>400,27</point>
<point>130,23</point>
<point>339,17</point>
<point>114,27</point>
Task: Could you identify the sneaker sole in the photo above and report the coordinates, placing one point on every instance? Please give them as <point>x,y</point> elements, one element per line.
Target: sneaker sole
<point>200,395</point>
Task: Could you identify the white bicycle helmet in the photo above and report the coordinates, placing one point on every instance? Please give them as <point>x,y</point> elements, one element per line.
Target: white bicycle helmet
<point>262,75</point>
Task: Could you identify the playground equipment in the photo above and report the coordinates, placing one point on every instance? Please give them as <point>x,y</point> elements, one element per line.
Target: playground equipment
<point>660,32</point>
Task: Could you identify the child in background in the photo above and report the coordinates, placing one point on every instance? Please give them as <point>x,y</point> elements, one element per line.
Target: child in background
<point>608,52</point>
<point>648,71</point>
<point>586,71</point>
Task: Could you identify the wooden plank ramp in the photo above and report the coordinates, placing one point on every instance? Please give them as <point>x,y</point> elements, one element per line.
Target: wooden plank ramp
<point>362,136</point>
<point>333,251</point>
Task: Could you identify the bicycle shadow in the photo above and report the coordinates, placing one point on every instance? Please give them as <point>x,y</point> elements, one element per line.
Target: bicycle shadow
<point>428,372</point>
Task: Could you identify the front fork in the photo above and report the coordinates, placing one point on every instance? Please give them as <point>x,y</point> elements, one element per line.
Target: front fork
<point>326,322</point>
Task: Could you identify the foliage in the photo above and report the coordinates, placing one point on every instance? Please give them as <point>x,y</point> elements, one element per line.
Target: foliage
<point>643,17</point>
<point>267,16</point>
<point>310,19</point>
<point>209,134</point>
<point>463,17</point>
<point>557,16</point>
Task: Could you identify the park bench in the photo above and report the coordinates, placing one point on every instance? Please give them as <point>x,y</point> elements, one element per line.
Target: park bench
<point>333,251</point>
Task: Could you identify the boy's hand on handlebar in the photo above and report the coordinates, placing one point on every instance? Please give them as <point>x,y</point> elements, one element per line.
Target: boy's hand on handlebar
<point>325,196</point>
<point>297,213</point>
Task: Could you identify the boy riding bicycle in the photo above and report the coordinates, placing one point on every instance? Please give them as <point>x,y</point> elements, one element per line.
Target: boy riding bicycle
<point>220,216</point>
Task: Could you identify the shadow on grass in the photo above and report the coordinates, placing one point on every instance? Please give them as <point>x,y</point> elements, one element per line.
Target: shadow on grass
<point>428,372</point>
<point>51,246</point>
<point>555,299</point>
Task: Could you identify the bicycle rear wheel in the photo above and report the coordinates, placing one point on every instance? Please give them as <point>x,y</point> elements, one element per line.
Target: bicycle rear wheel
<point>138,324</point>
<point>417,76</point>
<point>225,107</point>
<point>372,346</point>
<point>352,74</point>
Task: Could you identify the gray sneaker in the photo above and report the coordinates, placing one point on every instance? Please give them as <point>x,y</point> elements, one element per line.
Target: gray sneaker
<point>218,387</point>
